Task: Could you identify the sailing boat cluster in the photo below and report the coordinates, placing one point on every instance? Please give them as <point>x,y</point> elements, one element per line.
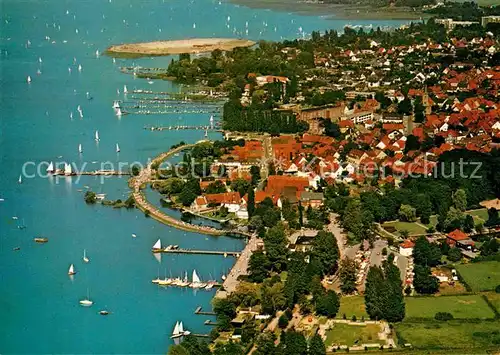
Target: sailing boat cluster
<point>195,282</point>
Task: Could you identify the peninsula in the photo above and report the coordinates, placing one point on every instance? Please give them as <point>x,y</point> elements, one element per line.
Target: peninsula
<point>192,46</point>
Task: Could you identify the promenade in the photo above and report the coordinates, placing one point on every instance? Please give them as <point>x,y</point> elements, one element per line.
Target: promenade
<point>144,177</point>
<point>239,268</point>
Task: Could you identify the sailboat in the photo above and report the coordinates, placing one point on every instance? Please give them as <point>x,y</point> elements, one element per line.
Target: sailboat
<point>206,133</point>
<point>67,169</point>
<point>71,115</point>
<point>80,67</point>
<point>117,148</point>
<point>157,246</point>
<point>179,331</point>
<point>85,259</point>
<point>116,104</point>
<point>80,150</point>
<point>20,180</point>
<point>87,302</point>
<point>71,270</point>
<point>196,281</point>
<point>125,90</point>
<point>176,333</point>
<point>28,79</point>
<point>119,112</point>
<point>97,53</point>
<point>97,136</point>
<point>50,168</point>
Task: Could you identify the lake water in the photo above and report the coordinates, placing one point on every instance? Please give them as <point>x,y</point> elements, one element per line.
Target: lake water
<point>39,308</point>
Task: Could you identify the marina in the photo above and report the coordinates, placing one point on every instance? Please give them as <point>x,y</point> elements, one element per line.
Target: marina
<point>176,250</point>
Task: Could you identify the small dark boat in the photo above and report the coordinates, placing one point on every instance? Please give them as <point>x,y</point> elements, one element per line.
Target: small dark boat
<point>103,313</point>
<point>17,248</point>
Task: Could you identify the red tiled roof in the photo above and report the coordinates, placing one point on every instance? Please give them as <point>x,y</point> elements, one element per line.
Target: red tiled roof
<point>457,234</point>
<point>407,244</point>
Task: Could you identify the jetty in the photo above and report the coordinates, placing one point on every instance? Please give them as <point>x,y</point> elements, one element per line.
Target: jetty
<point>144,177</point>
<point>61,172</point>
<point>180,128</point>
<point>193,46</point>
<point>199,252</point>
<point>199,311</point>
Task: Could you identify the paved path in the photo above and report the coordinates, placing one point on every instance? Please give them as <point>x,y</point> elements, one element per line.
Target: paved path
<point>144,177</point>
<point>239,268</point>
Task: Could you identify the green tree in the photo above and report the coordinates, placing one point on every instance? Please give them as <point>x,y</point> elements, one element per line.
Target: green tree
<point>316,345</point>
<point>425,253</point>
<point>255,173</point>
<point>347,275</point>
<point>325,252</point>
<point>258,266</point>
<point>251,202</point>
<point>407,213</point>
<point>225,311</point>
<point>216,187</point>
<point>459,199</point>
<point>273,298</point>
<point>240,185</point>
<point>90,197</point>
<point>178,350</point>
<point>454,255</point>
<point>328,304</point>
<point>295,343</point>
<point>423,281</point>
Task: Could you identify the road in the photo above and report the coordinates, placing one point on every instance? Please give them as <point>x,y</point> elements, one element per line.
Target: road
<point>335,228</point>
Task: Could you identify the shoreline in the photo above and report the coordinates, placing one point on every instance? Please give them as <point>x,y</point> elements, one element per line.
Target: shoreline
<point>335,11</point>
<point>164,48</point>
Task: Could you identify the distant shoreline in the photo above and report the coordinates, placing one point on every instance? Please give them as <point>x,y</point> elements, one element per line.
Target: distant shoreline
<point>163,48</point>
<point>334,11</point>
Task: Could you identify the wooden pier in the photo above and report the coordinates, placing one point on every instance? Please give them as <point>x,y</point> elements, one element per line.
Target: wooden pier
<point>61,172</point>
<point>199,311</point>
<point>210,322</point>
<point>180,128</point>
<point>198,252</point>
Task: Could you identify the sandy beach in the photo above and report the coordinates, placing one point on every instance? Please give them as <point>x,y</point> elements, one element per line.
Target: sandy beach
<point>194,45</point>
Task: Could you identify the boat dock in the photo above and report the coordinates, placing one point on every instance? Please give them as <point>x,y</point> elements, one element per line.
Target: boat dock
<point>179,128</point>
<point>210,322</point>
<point>198,252</point>
<point>61,172</point>
<point>199,311</point>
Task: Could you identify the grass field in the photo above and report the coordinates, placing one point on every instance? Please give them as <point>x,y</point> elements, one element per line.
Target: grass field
<point>450,335</point>
<point>344,334</point>
<point>412,228</point>
<point>352,305</point>
<point>483,276</point>
<point>469,306</point>
<point>479,215</point>
<point>494,299</point>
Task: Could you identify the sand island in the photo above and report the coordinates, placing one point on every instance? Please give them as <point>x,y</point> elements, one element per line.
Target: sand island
<point>193,45</point>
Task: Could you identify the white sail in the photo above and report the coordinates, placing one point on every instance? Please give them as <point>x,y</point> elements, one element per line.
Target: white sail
<point>28,79</point>
<point>176,329</point>
<point>181,328</point>
<point>80,67</point>
<point>196,279</point>
<point>97,53</point>
<point>50,168</point>
<point>71,270</point>
<point>157,245</point>
<point>20,179</point>
<point>71,115</point>
<point>67,169</point>
<point>85,259</point>
<point>119,112</point>
<point>80,150</point>
<point>125,90</point>
<point>117,148</point>
<point>97,136</point>
<point>116,104</point>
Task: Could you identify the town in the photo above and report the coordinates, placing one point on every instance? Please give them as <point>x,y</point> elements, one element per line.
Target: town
<point>362,167</point>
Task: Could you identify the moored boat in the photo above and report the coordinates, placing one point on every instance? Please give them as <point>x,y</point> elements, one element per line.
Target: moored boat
<point>41,240</point>
<point>71,270</point>
<point>157,247</point>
